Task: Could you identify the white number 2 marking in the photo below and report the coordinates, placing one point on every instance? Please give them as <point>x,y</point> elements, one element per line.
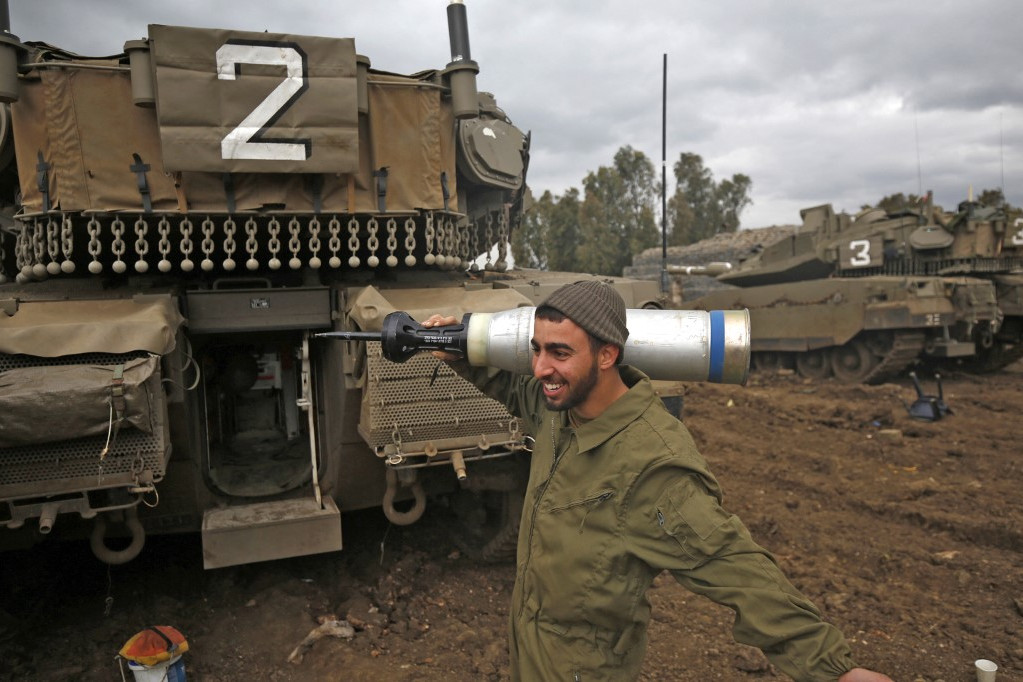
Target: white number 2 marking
<point>1017,239</point>
<point>246,141</point>
<point>861,252</point>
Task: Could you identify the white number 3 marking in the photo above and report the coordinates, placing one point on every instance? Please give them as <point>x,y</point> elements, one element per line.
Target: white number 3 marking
<point>861,252</point>
<point>1017,239</point>
<point>246,141</point>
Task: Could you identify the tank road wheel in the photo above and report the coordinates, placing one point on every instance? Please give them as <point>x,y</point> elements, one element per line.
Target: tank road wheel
<point>813,364</point>
<point>853,362</point>
<point>770,360</point>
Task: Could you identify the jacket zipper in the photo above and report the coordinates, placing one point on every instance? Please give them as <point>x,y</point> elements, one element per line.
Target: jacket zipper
<point>536,505</point>
<point>596,498</point>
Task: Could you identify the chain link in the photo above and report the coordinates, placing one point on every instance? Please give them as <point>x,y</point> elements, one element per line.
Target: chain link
<point>275,244</point>
<point>39,250</point>
<point>294,243</point>
<point>372,242</point>
<point>464,232</point>
<point>230,246</point>
<point>392,242</point>
<point>141,245</point>
<point>52,246</point>
<point>474,248</point>
<point>314,242</point>
<point>502,240</point>
<point>429,258</point>
<point>22,252</point>
<point>118,246</point>
<point>95,246</point>
<point>186,228</point>
<point>489,222</point>
<point>453,259</point>
<point>207,244</point>
<point>163,228</point>
<point>251,245</point>
<point>353,242</point>
<point>67,245</point>
<point>410,241</point>
<point>334,243</point>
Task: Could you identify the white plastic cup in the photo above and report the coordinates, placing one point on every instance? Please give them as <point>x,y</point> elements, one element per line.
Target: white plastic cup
<point>985,670</point>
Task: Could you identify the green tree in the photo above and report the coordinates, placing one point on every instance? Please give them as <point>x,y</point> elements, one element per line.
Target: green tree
<point>701,207</point>
<point>893,203</point>
<point>548,234</point>
<point>732,199</point>
<point>617,216</point>
<point>991,197</point>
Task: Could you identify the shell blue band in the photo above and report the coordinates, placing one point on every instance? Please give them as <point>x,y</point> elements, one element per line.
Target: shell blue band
<point>717,346</point>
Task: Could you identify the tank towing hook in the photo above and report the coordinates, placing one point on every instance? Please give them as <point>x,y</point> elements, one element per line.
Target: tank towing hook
<point>410,480</point>
<point>97,541</point>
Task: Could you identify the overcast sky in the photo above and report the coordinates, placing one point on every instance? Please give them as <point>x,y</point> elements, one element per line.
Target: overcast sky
<point>818,102</point>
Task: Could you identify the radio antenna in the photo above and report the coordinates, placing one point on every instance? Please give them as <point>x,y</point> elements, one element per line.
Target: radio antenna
<point>919,174</point>
<point>1001,153</point>
<point>664,174</point>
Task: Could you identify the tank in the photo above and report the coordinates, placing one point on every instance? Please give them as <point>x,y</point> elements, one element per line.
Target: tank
<point>863,297</point>
<point>180,221</point>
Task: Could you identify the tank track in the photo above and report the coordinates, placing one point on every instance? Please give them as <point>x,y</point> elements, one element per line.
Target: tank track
<point>1000,356</point>
<point>905,349</point>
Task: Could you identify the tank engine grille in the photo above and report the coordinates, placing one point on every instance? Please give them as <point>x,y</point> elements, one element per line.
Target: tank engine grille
<point>71,466</point>
<point>423,401</point>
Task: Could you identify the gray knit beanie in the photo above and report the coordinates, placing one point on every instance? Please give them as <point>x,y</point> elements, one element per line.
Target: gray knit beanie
<point>594,306</point>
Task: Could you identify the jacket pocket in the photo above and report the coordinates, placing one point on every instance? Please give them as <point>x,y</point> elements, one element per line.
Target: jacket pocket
<point>690,515</point>
<point>585,506</point>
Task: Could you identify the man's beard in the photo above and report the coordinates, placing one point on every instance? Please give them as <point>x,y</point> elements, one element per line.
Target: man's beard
<point>579,391</point>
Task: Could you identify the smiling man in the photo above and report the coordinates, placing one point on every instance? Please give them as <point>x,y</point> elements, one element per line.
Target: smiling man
<point>618,493</point>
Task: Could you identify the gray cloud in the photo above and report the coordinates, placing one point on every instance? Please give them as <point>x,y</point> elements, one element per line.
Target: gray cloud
<point>816,102</point>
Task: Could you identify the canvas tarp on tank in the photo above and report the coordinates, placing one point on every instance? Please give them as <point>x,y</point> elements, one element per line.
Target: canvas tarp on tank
<point>51,329</point>
<point>79,400</point>
<point>369,307</point>
<point>82,144</point>
<point>86,394</point>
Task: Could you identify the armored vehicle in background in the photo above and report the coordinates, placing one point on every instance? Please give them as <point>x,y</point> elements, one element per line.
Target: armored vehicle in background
<point>864,297</point>
<point>181,219</point>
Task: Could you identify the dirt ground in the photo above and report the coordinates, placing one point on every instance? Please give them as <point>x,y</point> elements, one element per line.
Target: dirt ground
<point>906,533</point>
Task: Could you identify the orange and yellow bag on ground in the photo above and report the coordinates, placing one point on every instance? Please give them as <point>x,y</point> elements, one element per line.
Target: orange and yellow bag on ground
<point>154,645</point>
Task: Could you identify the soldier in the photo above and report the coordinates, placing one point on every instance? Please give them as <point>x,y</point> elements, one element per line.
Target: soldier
<point>618,493</point>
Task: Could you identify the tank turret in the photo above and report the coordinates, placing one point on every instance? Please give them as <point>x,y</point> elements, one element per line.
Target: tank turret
<point>862,297</point>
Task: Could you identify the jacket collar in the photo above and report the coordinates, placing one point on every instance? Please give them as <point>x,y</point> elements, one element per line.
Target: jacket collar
<point>620,414</point>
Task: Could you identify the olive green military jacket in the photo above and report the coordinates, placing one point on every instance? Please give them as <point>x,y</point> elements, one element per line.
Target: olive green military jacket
<point>611,504</point>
